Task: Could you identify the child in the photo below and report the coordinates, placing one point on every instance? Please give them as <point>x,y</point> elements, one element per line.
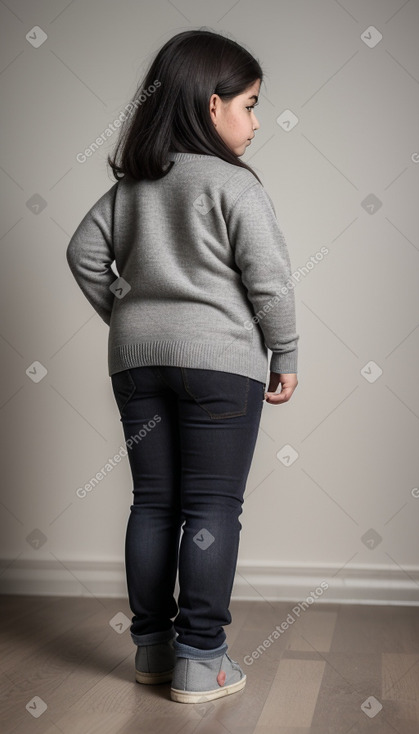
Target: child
<point>201,295</point>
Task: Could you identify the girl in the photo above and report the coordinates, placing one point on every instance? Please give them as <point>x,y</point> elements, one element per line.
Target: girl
<point>201,295</point>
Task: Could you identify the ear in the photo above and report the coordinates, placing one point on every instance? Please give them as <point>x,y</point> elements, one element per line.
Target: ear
<point>214,107</point>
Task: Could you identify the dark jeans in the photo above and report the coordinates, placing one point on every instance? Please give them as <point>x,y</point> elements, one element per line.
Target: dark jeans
<point>190,435</point>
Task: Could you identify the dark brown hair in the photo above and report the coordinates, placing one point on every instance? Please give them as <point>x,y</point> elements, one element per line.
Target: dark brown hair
<point>172,103</point>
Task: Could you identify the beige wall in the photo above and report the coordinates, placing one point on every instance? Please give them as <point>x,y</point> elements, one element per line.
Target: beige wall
<point>354,418</point>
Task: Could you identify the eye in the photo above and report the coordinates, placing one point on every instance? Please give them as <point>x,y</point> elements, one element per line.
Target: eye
<point>252,107</point>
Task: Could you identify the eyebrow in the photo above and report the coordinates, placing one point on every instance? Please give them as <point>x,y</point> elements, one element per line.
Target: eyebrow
<point>255,97</point>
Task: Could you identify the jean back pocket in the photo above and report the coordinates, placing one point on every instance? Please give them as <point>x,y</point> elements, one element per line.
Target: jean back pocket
<point>219,394</point>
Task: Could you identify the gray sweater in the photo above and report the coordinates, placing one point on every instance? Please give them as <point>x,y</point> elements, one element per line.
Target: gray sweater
<point>202,266</point>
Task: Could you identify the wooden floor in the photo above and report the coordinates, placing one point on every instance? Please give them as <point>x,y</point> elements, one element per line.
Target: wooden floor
<point>337,669</point>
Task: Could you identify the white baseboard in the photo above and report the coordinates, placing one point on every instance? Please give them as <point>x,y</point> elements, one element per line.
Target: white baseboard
<point>253,582</point>
<point>350,585</point>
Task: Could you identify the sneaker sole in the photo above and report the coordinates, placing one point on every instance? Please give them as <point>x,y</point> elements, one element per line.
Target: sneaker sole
<point>197,696</point>
<point>150,678</point>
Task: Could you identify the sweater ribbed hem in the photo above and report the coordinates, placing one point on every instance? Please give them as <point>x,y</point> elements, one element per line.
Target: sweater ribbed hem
<point>222,356</point>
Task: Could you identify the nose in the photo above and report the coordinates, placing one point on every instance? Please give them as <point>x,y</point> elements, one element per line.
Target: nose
<point>256,125</point>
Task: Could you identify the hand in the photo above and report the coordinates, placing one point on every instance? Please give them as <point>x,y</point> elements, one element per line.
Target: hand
<point>288,384</point>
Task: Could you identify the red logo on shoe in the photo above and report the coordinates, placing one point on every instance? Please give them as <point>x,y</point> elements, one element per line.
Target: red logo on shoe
<point>221,678</point>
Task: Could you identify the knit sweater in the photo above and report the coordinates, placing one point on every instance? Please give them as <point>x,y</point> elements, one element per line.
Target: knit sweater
<point>203,271</point>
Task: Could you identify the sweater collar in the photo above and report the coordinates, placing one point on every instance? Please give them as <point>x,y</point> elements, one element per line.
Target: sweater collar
<point>177,156</point>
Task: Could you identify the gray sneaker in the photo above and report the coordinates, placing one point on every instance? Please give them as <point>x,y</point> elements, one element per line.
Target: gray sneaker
<point>155,663</point>
<point>195,681</point>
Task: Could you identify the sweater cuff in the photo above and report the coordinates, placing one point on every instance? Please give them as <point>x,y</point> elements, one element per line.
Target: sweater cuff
<point>284,362</point>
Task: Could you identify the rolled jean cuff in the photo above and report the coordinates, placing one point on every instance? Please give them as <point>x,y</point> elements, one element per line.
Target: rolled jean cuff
<point>194,653</point>
<point>152,638</point>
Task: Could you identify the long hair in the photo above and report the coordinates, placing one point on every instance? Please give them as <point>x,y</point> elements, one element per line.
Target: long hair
<point>172,104</point>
